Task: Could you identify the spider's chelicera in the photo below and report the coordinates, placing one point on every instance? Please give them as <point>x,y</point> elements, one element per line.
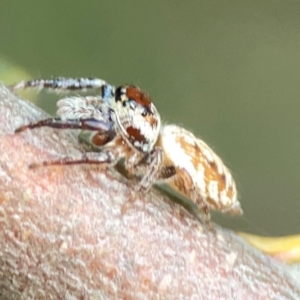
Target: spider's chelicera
<point>123,123</point>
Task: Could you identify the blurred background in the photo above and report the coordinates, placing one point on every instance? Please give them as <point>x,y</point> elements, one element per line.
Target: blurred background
<point>227,70</point>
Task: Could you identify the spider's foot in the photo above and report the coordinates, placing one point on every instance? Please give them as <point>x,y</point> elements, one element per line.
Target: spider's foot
<point>21,128</point>
<point>135,194</point>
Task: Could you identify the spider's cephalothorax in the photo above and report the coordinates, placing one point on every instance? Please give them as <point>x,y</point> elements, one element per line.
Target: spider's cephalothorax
<point>130,109</point>
<point>137,118</point>
<point>122,123</point>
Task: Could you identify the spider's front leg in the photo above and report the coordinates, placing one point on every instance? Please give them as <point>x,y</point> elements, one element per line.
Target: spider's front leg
<point>103,133</point>
<point>61,84</point>
<point>104,127</point>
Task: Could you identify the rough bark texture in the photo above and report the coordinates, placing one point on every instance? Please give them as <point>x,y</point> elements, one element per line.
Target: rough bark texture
<point>62,234</point>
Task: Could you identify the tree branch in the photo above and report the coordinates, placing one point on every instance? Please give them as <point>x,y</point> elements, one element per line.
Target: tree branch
<point>62,234</point>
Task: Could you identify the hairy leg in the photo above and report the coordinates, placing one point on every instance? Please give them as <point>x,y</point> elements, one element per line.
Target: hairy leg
<point>150,167</point>
<point>150,172</point>
<point>183,183</point>
<point>204,209</point>
<point>87,124</point>
<point>61,84</point>
<point>106,157</point>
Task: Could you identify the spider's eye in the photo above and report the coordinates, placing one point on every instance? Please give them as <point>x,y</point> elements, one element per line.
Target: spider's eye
<point>124,103</point>
<point>132,104</point>
<point>144,112</point>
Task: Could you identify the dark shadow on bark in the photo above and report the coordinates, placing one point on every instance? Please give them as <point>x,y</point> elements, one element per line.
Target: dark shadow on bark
<point>62,234</point>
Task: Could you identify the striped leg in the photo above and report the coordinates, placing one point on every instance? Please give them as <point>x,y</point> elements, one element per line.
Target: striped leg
<point>61,84</point>
<point>87,124</point>
<point>150,175</point>
<point>106,157</point>
<point>154,168</point>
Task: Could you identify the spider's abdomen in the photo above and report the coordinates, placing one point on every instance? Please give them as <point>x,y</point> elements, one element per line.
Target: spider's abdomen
<point>201,173</point>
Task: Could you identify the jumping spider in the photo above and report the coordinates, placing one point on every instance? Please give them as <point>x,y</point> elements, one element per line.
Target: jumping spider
<point>124,123</point>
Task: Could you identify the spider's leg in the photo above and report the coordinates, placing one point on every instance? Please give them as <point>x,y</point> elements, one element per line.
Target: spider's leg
<point>205,210</point>
<point>149,177</point>
<point>61,84</point>
<point>106,157</point>
<point>185,184</point>
<point>84,124</point>
<point>153,173</point>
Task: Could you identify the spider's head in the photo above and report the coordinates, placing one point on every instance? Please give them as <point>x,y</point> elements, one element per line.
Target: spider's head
<point>137,118</point>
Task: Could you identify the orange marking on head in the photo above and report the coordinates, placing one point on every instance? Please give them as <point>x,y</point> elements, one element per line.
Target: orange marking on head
<point>152,121</point>
<point>139,96</point>
<point>136,134</point>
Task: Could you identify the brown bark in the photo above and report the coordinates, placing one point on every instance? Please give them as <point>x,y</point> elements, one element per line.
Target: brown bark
<point>62,234</point>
